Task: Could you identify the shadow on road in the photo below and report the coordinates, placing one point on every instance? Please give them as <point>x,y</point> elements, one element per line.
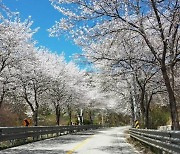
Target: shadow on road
<point>23,151</point>
<point>116,149</point>
<point>83,134</point>
<point>49,146</point>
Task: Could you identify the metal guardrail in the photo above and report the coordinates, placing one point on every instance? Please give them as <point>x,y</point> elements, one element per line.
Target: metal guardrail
<point>13,133</point>
<point>168,141</point>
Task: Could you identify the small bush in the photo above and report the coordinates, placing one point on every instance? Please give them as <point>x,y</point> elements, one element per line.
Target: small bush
<point>159,116</point>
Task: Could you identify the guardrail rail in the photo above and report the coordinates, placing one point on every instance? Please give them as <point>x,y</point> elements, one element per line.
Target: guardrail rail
<point>168,141</point>
<point>38,132</point>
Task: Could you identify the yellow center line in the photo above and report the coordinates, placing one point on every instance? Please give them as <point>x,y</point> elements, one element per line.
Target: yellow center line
<point>79,145</point>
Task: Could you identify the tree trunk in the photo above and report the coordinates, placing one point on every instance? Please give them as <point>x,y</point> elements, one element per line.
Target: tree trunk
<point>70,118</point>
<point>2,96</point>
<point>172,99</point>
<point>146,125</point>
<point>80,115</point>
<point>142,106</point>
<point>36,107</point>
<point>148,101</point>
<point>132,109</point>
<point>58,114</point>
<point>69,114</point>
<point>90,117</point>
<point>0,104</point>
<point>35,117</point>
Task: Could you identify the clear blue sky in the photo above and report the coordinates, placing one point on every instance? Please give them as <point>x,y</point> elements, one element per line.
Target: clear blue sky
<point>44,16</point>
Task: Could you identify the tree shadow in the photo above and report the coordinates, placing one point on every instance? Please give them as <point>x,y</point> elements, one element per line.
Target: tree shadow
<point>116,149</point>
<point>86,134</point>
<point>41,147</point>
<point>23,151</point>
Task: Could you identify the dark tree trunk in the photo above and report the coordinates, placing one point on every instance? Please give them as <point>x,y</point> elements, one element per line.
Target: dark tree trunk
<point>132,109</point>
<point>90,117</point>
<point>35,117</point>
<point>148,101</point>
<point>58,114</point>
<point>142,106</point>
<point>172,99</point>
<point>146,125</point>
<point>69,114</point>
<point>2,96</point>
<point>0,104</point>
<point>81,120</point>
<point>70,118</point>
<point>36,107</point>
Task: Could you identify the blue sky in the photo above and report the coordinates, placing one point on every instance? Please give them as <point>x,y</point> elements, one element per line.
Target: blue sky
<point>44,16</point>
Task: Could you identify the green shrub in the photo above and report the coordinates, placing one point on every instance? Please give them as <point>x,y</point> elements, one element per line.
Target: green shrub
<point>159,116</point>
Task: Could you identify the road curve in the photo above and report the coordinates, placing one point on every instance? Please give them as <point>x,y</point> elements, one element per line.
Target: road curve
<point>101,141</point>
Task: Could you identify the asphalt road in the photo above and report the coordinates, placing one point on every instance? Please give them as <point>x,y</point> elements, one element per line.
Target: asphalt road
<point>101,141</point>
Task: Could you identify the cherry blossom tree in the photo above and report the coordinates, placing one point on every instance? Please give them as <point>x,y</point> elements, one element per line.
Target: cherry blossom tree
<point>33,84</point>
<point>155,23</point>
<point>15,44</point>
<point>54,69</point>
<point>34,76</point>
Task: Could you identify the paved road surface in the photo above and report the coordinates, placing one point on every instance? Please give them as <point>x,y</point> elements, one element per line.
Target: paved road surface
<point>102,141</point>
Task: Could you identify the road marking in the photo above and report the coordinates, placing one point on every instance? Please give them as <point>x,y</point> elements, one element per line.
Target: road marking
<point>79,145</point>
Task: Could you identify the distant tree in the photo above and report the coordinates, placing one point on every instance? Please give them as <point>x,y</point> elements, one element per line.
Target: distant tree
<point>32,82</point>
<point>57,88</point>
